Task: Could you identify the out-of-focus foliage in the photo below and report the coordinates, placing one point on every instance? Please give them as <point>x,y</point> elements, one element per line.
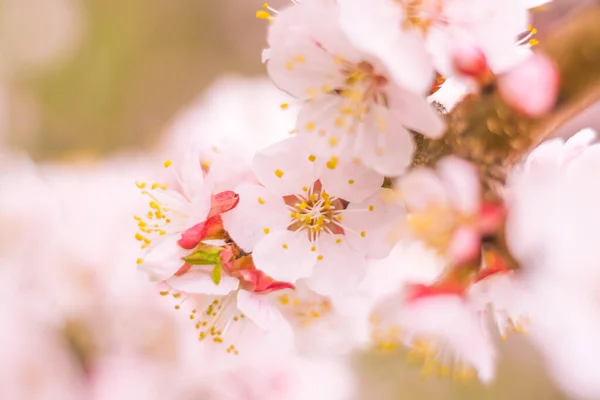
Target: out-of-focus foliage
<point>138,62</point>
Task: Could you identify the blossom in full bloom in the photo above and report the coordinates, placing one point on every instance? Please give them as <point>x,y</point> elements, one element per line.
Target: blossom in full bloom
<point>351,106</point>
<point>178,220</point>
<point>194,259</point>
<point>311,220</point>
<point>425,33</point>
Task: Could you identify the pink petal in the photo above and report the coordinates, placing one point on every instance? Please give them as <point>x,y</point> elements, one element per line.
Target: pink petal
<point>532,86</point>
<point>465,245</point>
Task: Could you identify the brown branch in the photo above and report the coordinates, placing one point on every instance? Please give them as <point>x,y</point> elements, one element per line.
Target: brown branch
<point>486,131</point>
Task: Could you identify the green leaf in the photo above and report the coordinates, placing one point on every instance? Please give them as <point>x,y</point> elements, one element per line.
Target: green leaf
<point>204,256</point>
<point>216,274</point>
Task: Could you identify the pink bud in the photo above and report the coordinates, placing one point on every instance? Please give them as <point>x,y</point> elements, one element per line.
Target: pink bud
<point>531,87</point>
<point>465,245</point>
<point>470,61</point>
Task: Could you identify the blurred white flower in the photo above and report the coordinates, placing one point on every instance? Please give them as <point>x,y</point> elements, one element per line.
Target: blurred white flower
<point>552,224</point>
<point>427,32</point>
<point>283,378</point>
<point>228,124</point>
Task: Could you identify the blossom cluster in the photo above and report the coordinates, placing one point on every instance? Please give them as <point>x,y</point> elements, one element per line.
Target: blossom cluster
<point>324,237</point>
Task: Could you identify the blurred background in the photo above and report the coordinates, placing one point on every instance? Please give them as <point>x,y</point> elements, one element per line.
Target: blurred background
<point>82,80</point>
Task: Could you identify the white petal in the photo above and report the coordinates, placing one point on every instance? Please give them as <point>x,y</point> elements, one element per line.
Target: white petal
<point>285,256</point>
<point>257,209</point>
<point>369,225</point>
<point>163,258</point>
<point>199,280</point>
<point>409,63</point>
<point>192,176</point>
<point>577,143</point>
<point>317,126</point>
<point>258,308</point>
<point>383,144</point>
<point>461,180</point>
<point>351,181</point>
<point>450,93</point>
<point>286,168</point>
<point>546,154</point>
<point>448,318</point>
<point>421,188</point>
<point>410,262</point>
<point>340,270</point>
<point>414,112</point>
<point>375,27</point>
<point>303,41</point>
<point>370,24</point>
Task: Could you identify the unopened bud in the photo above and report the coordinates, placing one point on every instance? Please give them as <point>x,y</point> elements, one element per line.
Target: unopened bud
<point>531,87</point>
<point>470,61</point>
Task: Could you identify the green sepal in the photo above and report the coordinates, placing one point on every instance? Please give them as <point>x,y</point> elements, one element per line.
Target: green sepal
<point>204,256</point>
<point>216,274</point>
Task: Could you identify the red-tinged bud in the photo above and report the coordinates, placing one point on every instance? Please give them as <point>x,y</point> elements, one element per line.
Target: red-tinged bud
<point>465,245</point>
<point>183,270</point>
<point>265,284</point>
<point>419,291</point>
<point>223,202</point>
<point>531,87</point>
<point>212,228</point>
<point>252,279</point>
<point>470,61</point>
<point>491,218</point>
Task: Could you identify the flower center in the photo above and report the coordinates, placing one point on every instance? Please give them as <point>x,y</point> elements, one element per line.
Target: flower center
<point>436,226</point>
<point>315,211</point>
<point>362,86</point>
<point>216,317</point>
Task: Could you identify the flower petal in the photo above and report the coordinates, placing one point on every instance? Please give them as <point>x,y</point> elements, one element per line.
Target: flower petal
<point>351,181</point>
<point>369,225</point>
<point>383,143</point>
<point>164,258</point>
<point>285,255</point>
<point>421,188</point>
<point>448,319</point>
<point>199,280</point>
<point>461,181</point>
<point>258,308</point>
<point>322,125</point>
<point>303,41</point>
<point>286,167</point>
<point>375,27</point>
<point>414,112</point>
<point>340,270</point>
<point>257,209</point>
